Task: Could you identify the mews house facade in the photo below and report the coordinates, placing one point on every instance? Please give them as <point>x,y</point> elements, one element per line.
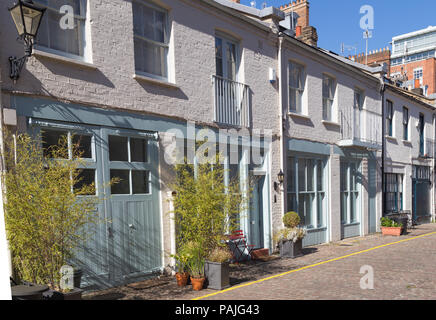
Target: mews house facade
<point>133,77</point>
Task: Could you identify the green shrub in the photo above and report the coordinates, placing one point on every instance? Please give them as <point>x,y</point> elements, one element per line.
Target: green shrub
<point>291,220</point>
<point>47,208</point>
<point>220,255</point>
<point>205,209</point>
<point>389,223</point>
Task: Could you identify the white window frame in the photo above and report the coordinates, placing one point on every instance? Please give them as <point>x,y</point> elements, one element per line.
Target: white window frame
<point>389,118</point>
<point>351,192</point>
<point>84,39</point>
<point>298,90</point>
<point>164,44</point>
<point>317,194</point>
<point>328,110</point>
<point>228,39</point>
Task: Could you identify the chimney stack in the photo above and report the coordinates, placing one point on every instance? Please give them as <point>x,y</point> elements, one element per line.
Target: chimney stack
<point>301,9</point>
<point>303,30</point>
<point>236,1</point>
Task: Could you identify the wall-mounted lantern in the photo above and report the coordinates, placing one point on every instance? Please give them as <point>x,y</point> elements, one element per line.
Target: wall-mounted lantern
<point>27,18</point>
<point>280,178</point>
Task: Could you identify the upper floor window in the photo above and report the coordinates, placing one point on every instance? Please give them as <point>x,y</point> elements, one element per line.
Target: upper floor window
<point>421,133</point>
<point>328,97</point>
<point>296,87</point>
<point>358,99</point>
<point>389,118</point>
<point>417,73</point>
<point>405,123</point>
<point>55,34</point>
<point>150,28</point>
<point>226,58</point>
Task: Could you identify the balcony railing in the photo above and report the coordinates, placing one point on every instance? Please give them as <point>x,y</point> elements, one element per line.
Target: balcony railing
<point>361,128</point>
<point>232,102</point>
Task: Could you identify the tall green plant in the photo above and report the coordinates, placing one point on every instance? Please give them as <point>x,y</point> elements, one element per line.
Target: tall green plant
<point>205,208</point>
<point>46,210</point>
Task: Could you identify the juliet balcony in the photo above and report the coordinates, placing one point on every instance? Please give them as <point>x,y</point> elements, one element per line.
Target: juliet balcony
<point>361,128</point>
<point>232,102</point>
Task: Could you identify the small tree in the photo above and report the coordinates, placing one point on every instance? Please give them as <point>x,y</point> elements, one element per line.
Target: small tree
<point>46,207</point>
<point>205,209</point>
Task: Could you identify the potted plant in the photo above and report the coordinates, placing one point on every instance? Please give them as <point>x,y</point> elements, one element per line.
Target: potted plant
<point>195,263</point>
<point>217,268</point>
<point>390,227</point>
<point>181,260</point>
<point>290,238</point>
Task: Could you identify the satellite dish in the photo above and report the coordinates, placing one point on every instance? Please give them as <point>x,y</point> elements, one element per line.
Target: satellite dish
<point>253,4</point>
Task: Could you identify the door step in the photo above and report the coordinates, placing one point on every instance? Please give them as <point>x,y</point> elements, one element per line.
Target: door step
<point>259,254</point>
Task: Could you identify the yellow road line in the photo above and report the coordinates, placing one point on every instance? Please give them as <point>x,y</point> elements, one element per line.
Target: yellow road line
<point>311,266</point>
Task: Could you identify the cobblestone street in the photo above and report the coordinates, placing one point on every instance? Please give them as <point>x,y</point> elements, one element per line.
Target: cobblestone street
<point>404,270</point>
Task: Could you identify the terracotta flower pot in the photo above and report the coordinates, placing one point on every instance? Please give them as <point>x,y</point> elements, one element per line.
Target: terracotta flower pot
<point>182,279</point>
<point>391,231</point>
<point>197,284</point>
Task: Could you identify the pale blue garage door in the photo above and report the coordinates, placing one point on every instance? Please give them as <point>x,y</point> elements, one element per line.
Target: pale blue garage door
<point>126,245</point>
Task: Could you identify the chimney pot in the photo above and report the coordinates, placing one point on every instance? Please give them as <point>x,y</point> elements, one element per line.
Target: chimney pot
<point>298,31</point>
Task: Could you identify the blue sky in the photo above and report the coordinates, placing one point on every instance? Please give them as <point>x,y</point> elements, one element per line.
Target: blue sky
<point>337,21</point>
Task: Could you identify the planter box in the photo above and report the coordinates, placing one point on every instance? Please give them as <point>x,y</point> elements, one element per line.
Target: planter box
<point>290,249</point>
<point>391,231</point>
<point>75,294</point>
<point>217,275</point>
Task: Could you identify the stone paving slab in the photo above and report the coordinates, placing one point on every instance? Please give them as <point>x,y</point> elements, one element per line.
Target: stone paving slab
<point>405,270</point>
<point>401,271</point>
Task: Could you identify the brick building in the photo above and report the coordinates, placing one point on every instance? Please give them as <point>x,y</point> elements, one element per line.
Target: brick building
<point>413,58</point>
<point>376,57</point>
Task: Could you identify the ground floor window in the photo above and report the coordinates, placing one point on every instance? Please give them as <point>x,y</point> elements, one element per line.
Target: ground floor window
<point>393,189</point>
<point>350,181</point>
<point>306,193</point>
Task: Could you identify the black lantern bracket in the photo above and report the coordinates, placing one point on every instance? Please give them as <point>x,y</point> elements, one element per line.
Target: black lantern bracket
<point>27,18</point>
<point>17,64</point>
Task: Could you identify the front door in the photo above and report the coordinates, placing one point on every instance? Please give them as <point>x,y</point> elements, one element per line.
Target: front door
<point>350,198</point>
<point>256,213</point>
<point>421,186</point>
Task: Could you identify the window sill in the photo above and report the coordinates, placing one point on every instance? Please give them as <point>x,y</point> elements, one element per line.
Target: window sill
<point>407,142</point>
<point>298,115</point>
<point>393,139</point>
<point>330,123</point>
<point>155,81</point>
<point>52,56</point>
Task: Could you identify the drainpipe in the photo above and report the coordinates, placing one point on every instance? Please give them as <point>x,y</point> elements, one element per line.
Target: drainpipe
<point>382,93</point>
<point>282,137</point>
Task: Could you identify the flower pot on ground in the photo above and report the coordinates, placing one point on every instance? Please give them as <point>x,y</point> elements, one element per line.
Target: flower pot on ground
<point>291,249</point>
<point>181,259</point>
<point>195,263</point>
<point>290,239</point>
<point>197,283</point>
<point>390,227</point>
<point>182,278</point>
<point>391,231</point>
<point>217,269</point>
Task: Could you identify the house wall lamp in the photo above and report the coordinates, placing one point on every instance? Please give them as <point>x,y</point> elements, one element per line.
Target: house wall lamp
<point>27,19</point>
